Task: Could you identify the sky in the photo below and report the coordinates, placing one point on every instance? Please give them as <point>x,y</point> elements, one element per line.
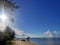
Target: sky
<point>38,16</point>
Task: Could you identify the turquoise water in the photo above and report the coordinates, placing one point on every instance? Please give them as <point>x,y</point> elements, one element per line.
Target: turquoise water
<point>46,41</point>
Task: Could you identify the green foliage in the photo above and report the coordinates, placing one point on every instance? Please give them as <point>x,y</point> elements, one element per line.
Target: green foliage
<point>10,33</point>
<point>6,36</point>
<point>9,43</point>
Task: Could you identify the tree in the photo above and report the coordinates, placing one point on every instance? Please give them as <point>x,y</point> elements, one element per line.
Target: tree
<point>6,36</point>
<point>10,33</point>
<point>8,6</point>
<point>28,38</point>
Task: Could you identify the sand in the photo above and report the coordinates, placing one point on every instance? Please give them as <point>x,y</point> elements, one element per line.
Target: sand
<point>18,42</point>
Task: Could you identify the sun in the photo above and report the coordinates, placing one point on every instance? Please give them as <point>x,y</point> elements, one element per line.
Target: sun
<point>3,17</point>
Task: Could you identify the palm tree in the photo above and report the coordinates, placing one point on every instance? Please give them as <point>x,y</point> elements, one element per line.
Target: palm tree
<point>10,33</point>
<point>8,6</point>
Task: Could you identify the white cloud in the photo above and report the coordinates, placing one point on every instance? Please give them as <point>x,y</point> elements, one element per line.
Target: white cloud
<point>18,32</point>
<point>21,33</point>
<point>2,27</point>
<point>48,33</point>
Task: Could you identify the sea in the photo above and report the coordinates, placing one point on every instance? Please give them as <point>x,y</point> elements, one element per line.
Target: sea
<point>45,41</point>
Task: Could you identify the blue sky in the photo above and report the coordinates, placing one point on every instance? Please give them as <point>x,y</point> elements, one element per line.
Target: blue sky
<point>38,16</point>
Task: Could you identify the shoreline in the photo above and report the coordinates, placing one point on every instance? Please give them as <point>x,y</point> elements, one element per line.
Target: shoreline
<point>19,42</point>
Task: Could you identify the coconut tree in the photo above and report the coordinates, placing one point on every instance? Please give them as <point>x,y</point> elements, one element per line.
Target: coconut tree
<point>8,6</point>
<point>10,33</point>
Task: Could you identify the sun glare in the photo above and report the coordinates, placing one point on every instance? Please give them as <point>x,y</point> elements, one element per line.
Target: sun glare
<point>3,17</point>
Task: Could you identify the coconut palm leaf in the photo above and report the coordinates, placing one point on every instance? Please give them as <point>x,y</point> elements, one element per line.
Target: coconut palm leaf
<point>9,4</point>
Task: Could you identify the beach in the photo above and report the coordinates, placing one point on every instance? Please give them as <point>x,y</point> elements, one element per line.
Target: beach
<point>19,42</point>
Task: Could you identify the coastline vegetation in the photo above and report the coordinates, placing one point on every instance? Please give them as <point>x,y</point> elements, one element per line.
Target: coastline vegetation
<point>7,36</point>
